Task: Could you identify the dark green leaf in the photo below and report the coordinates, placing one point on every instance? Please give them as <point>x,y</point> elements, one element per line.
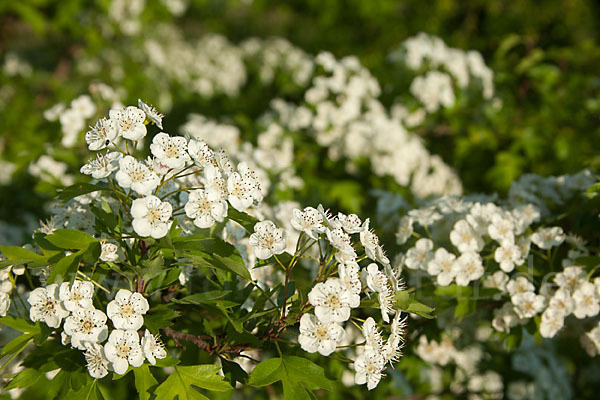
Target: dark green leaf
<point>144,381</point>
<point>179,383</point>
<point>70,239</point>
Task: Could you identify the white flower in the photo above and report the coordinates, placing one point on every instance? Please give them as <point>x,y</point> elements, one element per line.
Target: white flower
<point>546,238</point>
<point>378,282</point>
<point>502,230</point>
<point>240,191</point>
<point>562,301</point>
<point>309,221</point>
<point>594,336</point>
<point>201,153</point>
<point>110,252</point>
<point>214,185</point>
<point>369,367</point>
<point>46,307</point>
<point>465,238</point>
<point>349,275</point>
<point>123,349</point>
<point>505,318</point>
<point>373,249</point>
<point>130,122</point>
<point>96,361</point>
<point>152,113</point>
<point>405,229</point>
<point>351,223</point>
<point>319,336</point>
<point>171,151</point>
<point>468,267</point>
<point>126,310</point>
<point>102,166</point>
<point>373,340</point>
<point>4,303</point>
<point>425,216</point>
<point>102,134</point>
<point>151,217</point>
<point>569,278</point>
<point>86,325</point>
<point>586,301</point>
<point>84,106</point>
<point>442,266</point>
<point>507,256</point>
<point>332,301</point>
<point>552,321</point>
<point>519,285</point>
<point>152,347</point>
<point>76,296</point>
<point>528,304</point>
<point>267,240</point>
<point>203,210</point>
<point>339,239</point>
<point>419,256</point>
<point>136,175</point>
<point>497,280</point>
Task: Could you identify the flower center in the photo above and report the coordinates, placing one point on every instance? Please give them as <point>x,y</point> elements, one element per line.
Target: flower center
<point>123,350</point>
<point>49,306</point>
<point>87,326</point>
<point>171,151</point>
<point>333,301</point>
<point>321,333</point>
<point>137,175</point>
<point>153,215</point>
<point>127,310</point>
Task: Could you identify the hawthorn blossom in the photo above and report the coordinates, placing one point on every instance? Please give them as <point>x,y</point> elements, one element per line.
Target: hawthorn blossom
<point>46,306</point>
<point>339,239</point>
<point>519,285</point>
<point>587,302</point>
<point>110,252</point>
<point>419,256</point>
<point>240,191</point>
<point>76,296</point>
<point>502,230</point>
<point>378,282</point>
<point>373,248</point>
<point>102,166</point>
<point>441,266</point>
<point>316,335</point>
<point>86,325</point>
<point>552,321</point>
<point>152,347</point>
<point>351,223</point>
<point>528,304</point>
<point>562,301</point>
<point>151,112</point>
<point>465,238</point>
<point>350,277</point>
<point>369,368</point>
<point>96,361</point>
<point>373,340</point>
<point>546,238</point>
<point>507,256</point>
<point>214,185</point>
<point>570,277</point>
<point>201,153</point>
<point>204,211</point>
<point>102,134</point>
<point>267,240</point>
<point>171,151</point>
<point>4,303</point>
<point>130,122</point>
<point>332,301</point>
<point>468,267</point>
<point>127,309</point>
<point>151,217</point>
<point>405,230</point>
<point>137,176</point>
<point>309,221</point>
<point>123,349</point>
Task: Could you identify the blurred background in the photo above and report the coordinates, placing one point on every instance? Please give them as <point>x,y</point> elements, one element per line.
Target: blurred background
<point>532,107</point>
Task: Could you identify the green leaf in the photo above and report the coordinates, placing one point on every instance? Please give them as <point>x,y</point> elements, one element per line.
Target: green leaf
<point>21,325</point>
<point>78,189</point>
<point>212,252</point>
<point>299,376</point>
<point>159,317</point>
<point>64,267</point>
<point>179,383</point>
<point>18,344</point>
<point>203,298</point>
<point>89,391</point>
<point>233,372</point>
<point>247,221</point>
<point>70,239</point>
<point>16,255</point>
<point>24,379</point>
<point>144,381</point>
